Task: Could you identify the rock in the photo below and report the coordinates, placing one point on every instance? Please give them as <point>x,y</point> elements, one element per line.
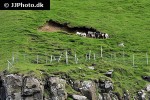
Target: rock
<point>88,89</point>
<point>141,95</point>
<point>32,89</point>
<point>100,97</point>
<point>148,88</point>
<point>105,86</point>
<point>109,73</point>
<point>91,67</point>
<point>121,44</point>
<point>3,93</point>
<point>14,84</point>
<point>79,97</point>
<point>147,78</point>
<point>56,88</point>
<point>126,95</point>
<point>106,96</point>
<point>76,85</point>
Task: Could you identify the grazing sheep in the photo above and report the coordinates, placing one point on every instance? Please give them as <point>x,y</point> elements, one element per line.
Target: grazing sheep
<point>83,34</point>
<point>103,35</point>
<point>106,36</point>
<point>97,34</point>
<point>93,35</point>
<point>89,34</point>
<point>78,33</point>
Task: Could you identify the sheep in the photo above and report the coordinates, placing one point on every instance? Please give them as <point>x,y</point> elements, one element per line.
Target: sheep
<point>78,33</point>
<point>106,36</point>
<point>83,34</point>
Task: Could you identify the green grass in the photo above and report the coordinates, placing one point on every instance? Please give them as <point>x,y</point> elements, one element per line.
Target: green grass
<point>125,21</point>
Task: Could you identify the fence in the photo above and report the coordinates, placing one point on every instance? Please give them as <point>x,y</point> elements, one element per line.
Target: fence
<point>66,57</point>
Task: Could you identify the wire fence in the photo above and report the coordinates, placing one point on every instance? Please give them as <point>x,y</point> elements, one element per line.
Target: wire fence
<point>67,57</point>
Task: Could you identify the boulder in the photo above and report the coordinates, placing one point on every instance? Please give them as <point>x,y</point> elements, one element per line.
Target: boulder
<point>105,86</point>
<point>79,97</point>
<point>76,85</point>
<point>141,95</point>
<point>109,73</point>
<point>3,93</point>
<point>147,78</point>
<point>148,88</point>
<point>106,96</point>
<point>126,95</point>
<point>91,67</point>
<point>56,88</point>
<point>14,84</point>
<point>32,89</point>
<point>88,89</point>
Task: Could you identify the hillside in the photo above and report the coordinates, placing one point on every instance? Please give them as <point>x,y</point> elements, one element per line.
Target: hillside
<point>125,21</point>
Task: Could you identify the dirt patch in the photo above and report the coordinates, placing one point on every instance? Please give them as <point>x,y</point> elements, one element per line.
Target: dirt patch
<point>50,28</point>
<point>54,26</point>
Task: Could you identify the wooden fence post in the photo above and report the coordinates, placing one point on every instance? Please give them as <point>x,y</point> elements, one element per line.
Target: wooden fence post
<point>51,59</point>
<point>101,52</point>
<point>9,64</point>
<point>66,57</point>
<point>123,57</point>
<point>147,59</point>
<point>13,58</point>
<point>86,57</point>
<point>76,59</point>
<point>133,60</point>
<point>89,54</point>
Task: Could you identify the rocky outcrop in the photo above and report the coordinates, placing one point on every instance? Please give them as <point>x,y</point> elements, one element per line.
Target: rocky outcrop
<point>13,83</point>
<point>3,93</point>
<point>56,88</point>
<point>105,86</point>
<point>32,89</point>
<point>23,88</point>
<point>100,90</point>
<point>88,89</point>
<point>148,88</point>
<point>17,87</point>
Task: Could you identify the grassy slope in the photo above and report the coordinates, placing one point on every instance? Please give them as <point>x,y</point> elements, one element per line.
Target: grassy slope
<point>125,20</point>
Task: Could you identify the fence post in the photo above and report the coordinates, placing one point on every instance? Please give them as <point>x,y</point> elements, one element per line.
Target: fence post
<point>59,58</point>
<point>86,57</point>
<point>123,57</point>
<point>76,59</point>
<point>147,58</point>
<point>66,57</point>
<point>51,59</point>
<point>9,64</point>
<point>101,52</point>
<point>89,54</point>
<point>133,60</point>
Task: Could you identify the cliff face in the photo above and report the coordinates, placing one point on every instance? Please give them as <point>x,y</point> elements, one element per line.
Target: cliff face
<point>17,87</point>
